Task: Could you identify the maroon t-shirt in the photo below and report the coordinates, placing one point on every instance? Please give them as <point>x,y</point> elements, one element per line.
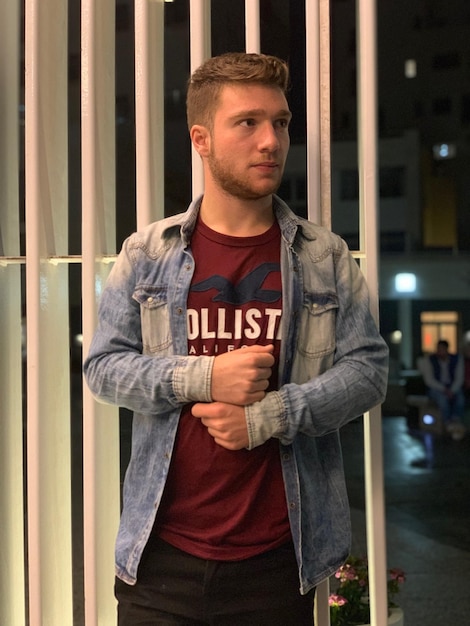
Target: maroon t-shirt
<point>222,504</point>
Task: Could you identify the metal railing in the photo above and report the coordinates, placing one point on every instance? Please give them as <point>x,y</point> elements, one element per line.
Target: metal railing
<point>36,569</point>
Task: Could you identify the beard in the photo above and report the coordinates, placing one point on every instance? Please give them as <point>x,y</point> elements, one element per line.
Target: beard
<point>237,186</point>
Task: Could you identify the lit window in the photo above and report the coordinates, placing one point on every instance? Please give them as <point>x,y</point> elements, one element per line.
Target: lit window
<point>410,68</point>
<point>405,282</point>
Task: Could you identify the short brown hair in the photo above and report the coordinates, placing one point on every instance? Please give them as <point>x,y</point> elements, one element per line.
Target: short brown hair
<point>233,67</point>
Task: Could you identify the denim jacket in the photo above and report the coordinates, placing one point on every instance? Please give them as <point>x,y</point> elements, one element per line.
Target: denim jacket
<point>333,367</point>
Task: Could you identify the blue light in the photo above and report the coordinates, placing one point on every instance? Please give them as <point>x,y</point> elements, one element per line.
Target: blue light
<point>428,419</point>
<point>443,150</point>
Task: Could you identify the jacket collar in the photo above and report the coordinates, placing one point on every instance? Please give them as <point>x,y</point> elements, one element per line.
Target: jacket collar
<point>289,222</point>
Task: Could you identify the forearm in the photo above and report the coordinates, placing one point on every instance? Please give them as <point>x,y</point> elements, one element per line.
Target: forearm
<point>320,406</point>
<point>146,384</point>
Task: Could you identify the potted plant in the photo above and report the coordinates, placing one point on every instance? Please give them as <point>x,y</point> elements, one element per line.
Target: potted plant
<point>349,602</point>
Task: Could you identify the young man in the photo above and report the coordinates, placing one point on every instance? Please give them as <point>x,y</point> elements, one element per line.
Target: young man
<point>443,375</point>
<point>240,336</point>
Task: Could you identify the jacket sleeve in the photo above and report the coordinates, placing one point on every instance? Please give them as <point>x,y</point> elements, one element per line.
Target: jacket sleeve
<point>356,381</point>
<point>459,376</point>
<point>116,369</point>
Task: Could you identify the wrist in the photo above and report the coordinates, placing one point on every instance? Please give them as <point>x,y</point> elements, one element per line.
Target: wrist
<point>192,379</point>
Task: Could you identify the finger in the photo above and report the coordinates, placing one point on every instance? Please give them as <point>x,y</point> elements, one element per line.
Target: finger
<point>255,386</point>
<point>257,348</point>
<point>199,409</point>
<point>262,374</point>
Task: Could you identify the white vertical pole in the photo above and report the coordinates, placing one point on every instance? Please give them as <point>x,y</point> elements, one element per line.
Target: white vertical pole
<point>100,422</point>
<point>325,112</point>
<point>312,43</point>
<point>368,193</point>
<point>252,26</point>
<point>200,50</point>
<point>149,110</point>
<point>12,577</point>
<point>48,388</point>
<point>317,27</point>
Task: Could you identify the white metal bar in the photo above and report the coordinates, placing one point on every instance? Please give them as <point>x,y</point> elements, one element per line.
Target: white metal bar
<point>200,50</point>
<point>312,43</point>
<point>317,27</point>
<point>50,567</point>
<point>252,26</point>
<point>48,384</point>
<point>325,113</point>
<point>317,42</point>
<point>12,576</point>
<point>100,422</point>
<point>149,110</point>
<point>368,193</point>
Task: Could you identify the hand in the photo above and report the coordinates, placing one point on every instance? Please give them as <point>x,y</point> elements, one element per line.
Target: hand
<point>242,376</point>
<point>226,423</point>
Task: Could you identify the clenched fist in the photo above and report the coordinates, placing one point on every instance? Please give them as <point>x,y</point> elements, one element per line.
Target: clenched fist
<point>241,377</point>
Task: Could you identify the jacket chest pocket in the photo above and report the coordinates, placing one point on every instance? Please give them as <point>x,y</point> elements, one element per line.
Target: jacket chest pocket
<point>155,319</point>
<point>317,325</point>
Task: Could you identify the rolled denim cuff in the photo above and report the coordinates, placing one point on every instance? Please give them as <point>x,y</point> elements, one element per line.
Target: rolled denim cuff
<point>192,379</point>
<point>265,419</point>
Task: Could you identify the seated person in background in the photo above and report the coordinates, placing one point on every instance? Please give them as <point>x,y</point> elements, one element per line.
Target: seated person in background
<point>443,375</point>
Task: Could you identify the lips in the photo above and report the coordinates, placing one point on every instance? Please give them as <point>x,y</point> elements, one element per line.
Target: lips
<point>268,165</point>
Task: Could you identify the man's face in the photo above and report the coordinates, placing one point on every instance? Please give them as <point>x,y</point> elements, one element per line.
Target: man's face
<point>249,140</point>
<point>442,351</point>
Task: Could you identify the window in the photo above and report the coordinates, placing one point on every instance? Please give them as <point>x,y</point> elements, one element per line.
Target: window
<point>437,325</point>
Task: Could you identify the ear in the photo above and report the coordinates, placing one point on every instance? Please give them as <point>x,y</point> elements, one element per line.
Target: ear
<point>201,139</point>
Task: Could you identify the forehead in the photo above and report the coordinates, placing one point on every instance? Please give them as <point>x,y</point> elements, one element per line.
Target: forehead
<point>236,99</point>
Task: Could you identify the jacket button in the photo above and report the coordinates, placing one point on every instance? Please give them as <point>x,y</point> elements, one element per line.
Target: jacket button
<point>150,299</point>
<point>179,310</point>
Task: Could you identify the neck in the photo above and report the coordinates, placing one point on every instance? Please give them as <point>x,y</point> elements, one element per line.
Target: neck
<point>233,216</point>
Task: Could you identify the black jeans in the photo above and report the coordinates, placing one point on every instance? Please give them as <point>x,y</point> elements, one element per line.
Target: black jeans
<point>176,588</point>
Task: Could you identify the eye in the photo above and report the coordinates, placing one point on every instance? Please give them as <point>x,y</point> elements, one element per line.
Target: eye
<point>249,122</point>
<point>283,123</point>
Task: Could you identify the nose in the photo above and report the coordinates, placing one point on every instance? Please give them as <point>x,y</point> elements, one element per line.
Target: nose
<point>268,138</point>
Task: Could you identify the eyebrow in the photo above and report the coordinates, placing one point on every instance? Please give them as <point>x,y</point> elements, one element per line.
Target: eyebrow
<point>258,112</point>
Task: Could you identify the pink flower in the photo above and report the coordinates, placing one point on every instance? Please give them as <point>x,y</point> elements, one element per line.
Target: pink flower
<point>335,600</point>
<point>346,572</point>
<point>397,574</point>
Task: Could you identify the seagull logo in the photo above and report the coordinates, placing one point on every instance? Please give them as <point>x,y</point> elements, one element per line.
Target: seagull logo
<point>249,289</point>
